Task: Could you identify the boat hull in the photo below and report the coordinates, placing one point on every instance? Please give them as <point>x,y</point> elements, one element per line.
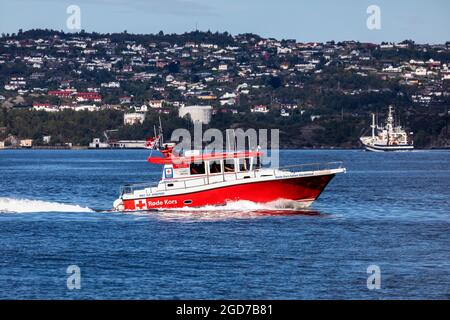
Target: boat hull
<point>301,189</point>
<point>379,148</point>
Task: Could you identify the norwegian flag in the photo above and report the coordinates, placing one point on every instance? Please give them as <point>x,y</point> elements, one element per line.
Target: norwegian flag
<point>152,143</point>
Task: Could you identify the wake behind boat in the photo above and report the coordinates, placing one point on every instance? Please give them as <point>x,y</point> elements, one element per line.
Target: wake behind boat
<point>197,179</point>
<point>391,137</point>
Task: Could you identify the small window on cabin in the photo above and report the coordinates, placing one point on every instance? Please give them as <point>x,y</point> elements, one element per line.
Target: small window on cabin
<point>214,167</point>
<point>244,164</point>
<point>228,165</point>
<point>197,168</point>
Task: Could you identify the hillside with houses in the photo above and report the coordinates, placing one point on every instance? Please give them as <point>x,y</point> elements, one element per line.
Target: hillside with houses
<point>66,89</point>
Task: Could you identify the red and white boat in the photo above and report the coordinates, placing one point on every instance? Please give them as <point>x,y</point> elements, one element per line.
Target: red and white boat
<point>203,179</point>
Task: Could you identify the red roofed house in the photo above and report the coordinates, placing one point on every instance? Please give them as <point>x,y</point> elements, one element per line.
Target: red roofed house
<point>88,96</point>
<point>61,93</point>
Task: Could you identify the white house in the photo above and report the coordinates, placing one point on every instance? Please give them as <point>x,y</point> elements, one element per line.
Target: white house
<point>112,84</point>
<point>223,67</point>
<point>86,107</point>
<point>45,107</point>
<point>170,78</point>
<point>200,114</point>
<point>156,104</point>
<point>133,118</point>
<point>421,71</point>
<point>284,113</point>
<point>228,102</point>
<point>260,109</point>
<point>46,139</point>
<point>228,95</point>
<point>97,144</point>
<point>392,69</point>
<point>142,108</point>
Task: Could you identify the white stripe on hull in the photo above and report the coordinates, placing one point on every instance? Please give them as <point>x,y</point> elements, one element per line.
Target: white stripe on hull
<point>388,148</point>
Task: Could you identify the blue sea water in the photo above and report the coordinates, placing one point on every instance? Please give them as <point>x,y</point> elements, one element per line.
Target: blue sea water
<point>391,210</point>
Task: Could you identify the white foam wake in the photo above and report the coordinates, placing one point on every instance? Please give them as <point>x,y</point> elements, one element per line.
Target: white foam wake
<point>247,206</point>
<point>242,209</point>
<point>27,205</point>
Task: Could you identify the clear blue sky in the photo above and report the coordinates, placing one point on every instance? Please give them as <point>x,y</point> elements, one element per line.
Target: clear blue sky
<point>304,20</point>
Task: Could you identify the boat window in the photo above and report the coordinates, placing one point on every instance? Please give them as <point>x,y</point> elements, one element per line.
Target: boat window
<point>197,168</point>
<point>214,167</point>
<point>244,164</point>
<point>228,165</point>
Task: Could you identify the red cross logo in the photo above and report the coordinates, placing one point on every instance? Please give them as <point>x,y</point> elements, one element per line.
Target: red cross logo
<point>140,204</point>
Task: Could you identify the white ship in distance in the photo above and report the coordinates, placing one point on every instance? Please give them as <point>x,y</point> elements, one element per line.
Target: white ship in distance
<point>391,137</point>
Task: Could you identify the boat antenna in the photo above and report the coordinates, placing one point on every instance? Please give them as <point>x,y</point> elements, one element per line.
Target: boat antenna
<point>234,141</point>
<point>161,131</point>
<point>376,117</point>
<point>373,126</point>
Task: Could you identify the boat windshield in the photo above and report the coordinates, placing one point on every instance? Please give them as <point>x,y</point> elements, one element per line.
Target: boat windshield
<point>126,189</point>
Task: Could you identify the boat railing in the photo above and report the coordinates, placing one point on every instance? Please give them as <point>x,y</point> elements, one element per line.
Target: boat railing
<point>130,188</point>
<point>309,167</point>
<point>208,179</point>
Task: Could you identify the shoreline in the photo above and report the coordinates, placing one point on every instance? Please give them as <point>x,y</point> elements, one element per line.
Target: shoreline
<point>59,148</point>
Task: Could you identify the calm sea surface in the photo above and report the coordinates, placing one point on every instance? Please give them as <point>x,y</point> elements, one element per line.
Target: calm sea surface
<point>391,210</point>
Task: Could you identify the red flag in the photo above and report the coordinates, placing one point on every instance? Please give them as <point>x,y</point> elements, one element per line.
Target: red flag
<point>152,142</point>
